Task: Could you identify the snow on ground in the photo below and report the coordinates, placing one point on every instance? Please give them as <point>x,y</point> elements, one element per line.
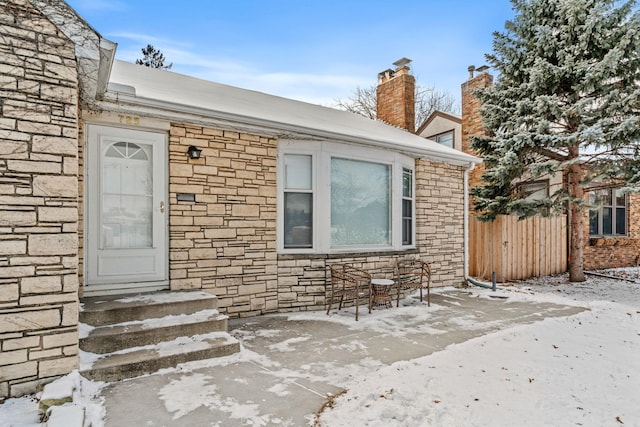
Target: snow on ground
<point>24,412</point>
<point>580,370</point>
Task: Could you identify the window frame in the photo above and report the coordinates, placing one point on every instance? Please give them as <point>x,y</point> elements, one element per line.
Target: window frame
<point>437,137</point>
<point>412,215</point>
<point>599,209</point>
<point>322,153</point>
<point>286,190</point>
<point>540,189</point>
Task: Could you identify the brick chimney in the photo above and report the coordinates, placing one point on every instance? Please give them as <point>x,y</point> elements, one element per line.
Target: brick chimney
<point>471,119</point>
<point>395,96</point>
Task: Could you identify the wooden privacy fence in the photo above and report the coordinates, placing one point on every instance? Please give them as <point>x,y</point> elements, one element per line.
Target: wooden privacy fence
<point>517,250</point>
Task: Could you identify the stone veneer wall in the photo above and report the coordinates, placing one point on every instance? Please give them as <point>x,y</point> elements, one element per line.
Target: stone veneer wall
<point>38,201</point>
<point>615,252</point>
<point>439,241</point>
<point>440,220</point>
<point>224,242</point>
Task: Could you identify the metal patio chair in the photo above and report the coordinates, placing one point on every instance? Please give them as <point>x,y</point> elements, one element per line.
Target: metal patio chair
<point>413,274</point>
<point>348,282</point>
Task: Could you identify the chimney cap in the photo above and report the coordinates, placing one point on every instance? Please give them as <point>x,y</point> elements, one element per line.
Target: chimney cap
<point>402,62</point>
<point>386,74</point>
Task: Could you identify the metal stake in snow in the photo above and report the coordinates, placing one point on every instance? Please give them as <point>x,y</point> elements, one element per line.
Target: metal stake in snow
<point>491,286</point>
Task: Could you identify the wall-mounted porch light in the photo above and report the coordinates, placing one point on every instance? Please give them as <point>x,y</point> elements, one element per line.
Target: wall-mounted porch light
<point>194,152</point>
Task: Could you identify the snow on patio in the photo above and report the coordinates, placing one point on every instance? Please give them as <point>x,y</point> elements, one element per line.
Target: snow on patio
<point>578,370</point>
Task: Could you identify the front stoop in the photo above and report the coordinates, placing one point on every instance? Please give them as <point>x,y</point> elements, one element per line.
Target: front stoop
<point>128,336</point>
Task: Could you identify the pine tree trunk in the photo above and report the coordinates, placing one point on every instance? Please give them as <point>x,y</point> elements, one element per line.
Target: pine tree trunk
<point>576,224</point>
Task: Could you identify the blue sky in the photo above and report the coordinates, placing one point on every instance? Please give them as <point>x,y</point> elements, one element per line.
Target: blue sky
<point>311,50</point>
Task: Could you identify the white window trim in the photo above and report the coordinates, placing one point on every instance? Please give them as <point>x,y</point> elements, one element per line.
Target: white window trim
<point>321,153</point>
<point>413,205</point>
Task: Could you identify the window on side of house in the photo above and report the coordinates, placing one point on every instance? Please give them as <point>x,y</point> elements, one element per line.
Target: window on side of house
<point>298,201</point>
<point>407,206</point>
<point>536,190</point>
<point>340,198</point>
<point>445,138</point>
<point>608,213</point>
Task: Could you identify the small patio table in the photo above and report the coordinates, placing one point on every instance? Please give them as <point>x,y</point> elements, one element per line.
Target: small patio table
<point>381,293</point>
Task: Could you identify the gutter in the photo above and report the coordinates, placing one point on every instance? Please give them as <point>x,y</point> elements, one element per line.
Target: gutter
<point>168,111</point>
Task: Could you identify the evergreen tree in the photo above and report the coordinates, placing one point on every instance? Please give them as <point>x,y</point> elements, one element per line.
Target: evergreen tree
<point>153,58</point>
<point>566,101</point>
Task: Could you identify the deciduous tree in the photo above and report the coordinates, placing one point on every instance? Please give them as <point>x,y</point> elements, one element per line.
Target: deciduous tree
<point>428,100</point>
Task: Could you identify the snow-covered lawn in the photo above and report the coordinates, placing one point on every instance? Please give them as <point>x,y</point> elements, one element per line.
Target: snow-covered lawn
<point>564,371</point>
<point>582,370</point>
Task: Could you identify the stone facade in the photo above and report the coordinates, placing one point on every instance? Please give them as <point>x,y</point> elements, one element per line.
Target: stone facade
<point>615,252</point>
<point>38,200</point>
<point>439,241</point>
<point>224,242</point>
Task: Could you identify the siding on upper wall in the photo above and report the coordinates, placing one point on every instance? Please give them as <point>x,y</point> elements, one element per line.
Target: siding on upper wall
<point>440,125</point>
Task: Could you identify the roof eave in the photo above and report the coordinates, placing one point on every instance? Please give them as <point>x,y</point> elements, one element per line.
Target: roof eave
<point>280,129</point>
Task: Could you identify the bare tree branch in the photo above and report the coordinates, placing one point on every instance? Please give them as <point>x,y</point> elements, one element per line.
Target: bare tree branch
<point>428,100</point>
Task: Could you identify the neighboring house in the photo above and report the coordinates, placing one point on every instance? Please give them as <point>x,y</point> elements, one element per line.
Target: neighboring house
<point>443,128</point>
<point>613,229</point>
<point>118,178</point>
<point>539,246</point>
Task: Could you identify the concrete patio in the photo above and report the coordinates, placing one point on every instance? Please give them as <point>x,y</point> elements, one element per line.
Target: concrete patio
<point>290,364</point>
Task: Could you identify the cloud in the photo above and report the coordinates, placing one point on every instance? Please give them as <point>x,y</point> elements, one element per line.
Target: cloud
<point>323,86</point>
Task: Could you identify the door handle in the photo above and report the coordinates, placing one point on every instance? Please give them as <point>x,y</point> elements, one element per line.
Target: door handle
<point>162,207</point>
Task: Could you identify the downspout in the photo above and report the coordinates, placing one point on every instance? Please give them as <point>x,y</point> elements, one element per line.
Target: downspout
<point>468,279</point>
<point>466,219</point>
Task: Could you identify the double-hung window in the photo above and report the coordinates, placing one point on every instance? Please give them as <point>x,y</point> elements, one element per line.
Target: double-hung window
<point>340,198</point>
<point>407,206</point>
<point>298,201</point>
<point>608,213</point>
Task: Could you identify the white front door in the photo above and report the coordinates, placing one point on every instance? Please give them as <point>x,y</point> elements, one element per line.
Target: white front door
<point>126,212</point>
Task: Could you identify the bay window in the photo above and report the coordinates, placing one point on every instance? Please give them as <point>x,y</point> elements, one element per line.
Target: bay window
<point>337,198</point>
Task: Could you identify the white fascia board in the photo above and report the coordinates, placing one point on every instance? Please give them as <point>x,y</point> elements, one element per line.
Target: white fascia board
<point>127,102</point>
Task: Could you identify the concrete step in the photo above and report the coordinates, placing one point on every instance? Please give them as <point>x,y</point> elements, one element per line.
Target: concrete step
<point>112,338</point>
<point>143,360</point>
<point>101,311</point>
